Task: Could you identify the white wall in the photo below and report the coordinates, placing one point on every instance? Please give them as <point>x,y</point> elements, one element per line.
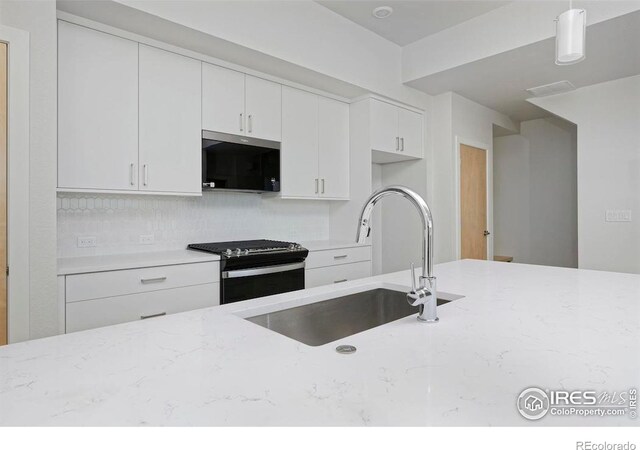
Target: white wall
<point>535,190</point>
<point>299,32</point>
<point>39,19</point>
<point>456,118</point>
<point>118,221</point>
<point>511,190</point>
<point>608,117</point>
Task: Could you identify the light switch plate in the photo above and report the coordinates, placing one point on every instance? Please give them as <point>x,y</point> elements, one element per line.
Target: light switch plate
<point>86,241</point>
<point>146,239</point>
<point>618,215</point>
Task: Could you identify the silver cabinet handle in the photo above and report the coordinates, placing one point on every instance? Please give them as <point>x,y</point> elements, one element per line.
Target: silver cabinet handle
<point>323,185</point>
<point>316,185</point>
<point>132,179</point>
<point>340,281</point>
<point>397,144</point>
<point>241,122</point>
<point>340,256</point>
<point>153,280</point>
<point>150,316</point>
<point>401,144</point>
<point>250,120</point>
<point>145,174</point>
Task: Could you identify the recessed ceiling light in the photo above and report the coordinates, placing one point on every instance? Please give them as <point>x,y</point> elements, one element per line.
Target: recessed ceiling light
<point>382,12</point>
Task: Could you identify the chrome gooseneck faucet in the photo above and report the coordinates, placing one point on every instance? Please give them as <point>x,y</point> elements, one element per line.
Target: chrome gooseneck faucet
<point>424,294</point>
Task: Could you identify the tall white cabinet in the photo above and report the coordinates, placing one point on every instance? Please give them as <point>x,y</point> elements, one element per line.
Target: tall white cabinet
<point>236,103</point>
<point>170,117</point>
<point>315,146</point>
<point>97,110</point>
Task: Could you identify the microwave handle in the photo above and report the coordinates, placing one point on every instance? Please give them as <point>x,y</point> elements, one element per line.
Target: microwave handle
<point>262,270</point>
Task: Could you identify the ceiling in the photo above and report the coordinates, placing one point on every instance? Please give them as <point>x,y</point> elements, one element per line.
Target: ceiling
<point>499,82</point>
<point>411,20</point>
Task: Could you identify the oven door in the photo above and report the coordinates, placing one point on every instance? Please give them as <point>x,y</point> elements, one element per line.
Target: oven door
<point>244,284</point>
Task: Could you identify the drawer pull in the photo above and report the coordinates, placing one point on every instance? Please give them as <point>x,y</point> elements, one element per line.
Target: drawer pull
<point>340,281</point>
<point>340,256</point>
<point>153,280</point>
<point>151,316</point>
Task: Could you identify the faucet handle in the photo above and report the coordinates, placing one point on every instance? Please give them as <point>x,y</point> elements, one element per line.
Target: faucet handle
<point>413,278</point>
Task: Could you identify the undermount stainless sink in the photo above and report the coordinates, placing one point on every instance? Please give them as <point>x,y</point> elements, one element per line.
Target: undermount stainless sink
<point>329,320</point>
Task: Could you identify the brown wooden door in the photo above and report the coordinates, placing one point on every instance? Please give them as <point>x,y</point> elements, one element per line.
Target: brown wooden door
<point>473,202</point>
<point>3,194</point>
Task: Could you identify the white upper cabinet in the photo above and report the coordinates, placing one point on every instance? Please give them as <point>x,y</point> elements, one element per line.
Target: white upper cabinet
<point>299,153</point>
<point>170,118</point>
<point>410,132</point>
<point>97,110</point>
<point>315,146</point>
<point>235,103</point>
<point>384,127</point>
<point>333,148</point>
<point>222,100</point>
<point>263,106</point>
<point>396,133</point>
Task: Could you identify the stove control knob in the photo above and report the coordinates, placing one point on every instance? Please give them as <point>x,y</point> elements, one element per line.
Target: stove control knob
<point>292,246</point>
<point>228,252</point>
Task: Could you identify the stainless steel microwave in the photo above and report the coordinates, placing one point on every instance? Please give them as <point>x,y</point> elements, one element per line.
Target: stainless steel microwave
<point>239,163</point>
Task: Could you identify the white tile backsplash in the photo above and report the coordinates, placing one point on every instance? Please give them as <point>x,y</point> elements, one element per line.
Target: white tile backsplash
<point>118,221</point>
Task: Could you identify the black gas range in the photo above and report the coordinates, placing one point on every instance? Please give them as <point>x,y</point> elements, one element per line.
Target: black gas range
<point>251,269</point>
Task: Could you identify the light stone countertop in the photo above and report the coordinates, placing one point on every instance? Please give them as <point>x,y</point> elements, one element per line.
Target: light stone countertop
<point>88,264</point>
<point>517,326</point>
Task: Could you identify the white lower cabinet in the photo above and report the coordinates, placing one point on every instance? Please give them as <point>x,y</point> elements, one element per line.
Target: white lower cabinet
<point>106,298</point>
<point>337,265</point>
<point>337,274</point>
<point>127,308</point>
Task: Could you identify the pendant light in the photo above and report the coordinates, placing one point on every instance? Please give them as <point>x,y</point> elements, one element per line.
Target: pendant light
<point>571,28</point>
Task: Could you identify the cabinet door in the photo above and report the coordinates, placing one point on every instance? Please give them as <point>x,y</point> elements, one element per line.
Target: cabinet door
<point>333,148</point>
<point>263,100</point>
<point>97,110</point>
<point>299,154</point>
<point>170,134</point>
<point>384,127</point>
<point>222,100</point>
<point>411,135</point>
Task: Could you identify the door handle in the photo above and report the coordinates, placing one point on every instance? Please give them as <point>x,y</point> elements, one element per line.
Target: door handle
<point>486,233</point>
<point>316,185</point>
<point>397,144</point>
<point>323,185</point>
<point>250,123</point>
<point>340,281</point>
<point>132,179</point>
<point>401,144</point>
<point>241,122</point>
<point>340,256</point>
<point>145,173</point>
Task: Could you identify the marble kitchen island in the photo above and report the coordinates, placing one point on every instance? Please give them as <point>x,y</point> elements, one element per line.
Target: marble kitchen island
<point>517,326</point>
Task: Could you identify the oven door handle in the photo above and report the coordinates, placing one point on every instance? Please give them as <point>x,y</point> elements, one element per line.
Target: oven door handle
<point>262,270</point>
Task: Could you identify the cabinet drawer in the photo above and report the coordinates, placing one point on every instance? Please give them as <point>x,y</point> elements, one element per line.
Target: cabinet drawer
<point>127,308</point>
<point>336,274</point>
<point>123,282</point>
<point>324,258</point>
